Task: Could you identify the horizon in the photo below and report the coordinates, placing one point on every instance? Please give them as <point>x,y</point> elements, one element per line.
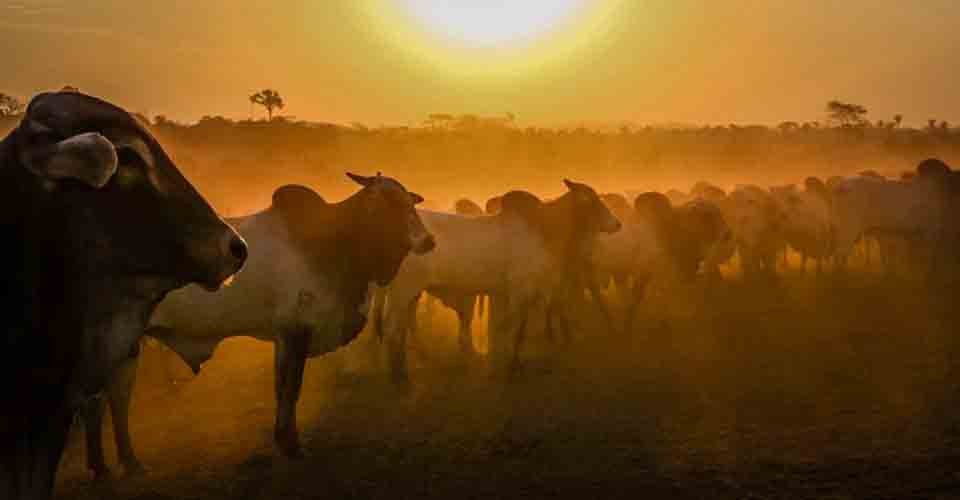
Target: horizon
<point>612,61</point>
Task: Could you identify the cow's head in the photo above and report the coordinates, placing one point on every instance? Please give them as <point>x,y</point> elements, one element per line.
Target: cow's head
<point>756,214</point>
<point>126,209</point>
<point>700,232</point>
<point>115,226</point>
<point>392,226</point>
<point>494,205</point>
<point>618,204</point>
<point>465,206</point>
<point>589,211</point>
<point>654,208</point>
<point>709,192</point>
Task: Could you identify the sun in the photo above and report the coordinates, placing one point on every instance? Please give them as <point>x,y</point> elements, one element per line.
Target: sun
<point>493,23</point>
<point>490,40</point>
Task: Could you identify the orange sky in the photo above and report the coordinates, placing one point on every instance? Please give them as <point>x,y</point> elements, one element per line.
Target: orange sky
<point>651,61</point>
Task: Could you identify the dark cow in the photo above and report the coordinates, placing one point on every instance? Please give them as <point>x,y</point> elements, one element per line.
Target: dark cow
<point>306,288</point>
<point>100,225</point>
<point>493,205</point>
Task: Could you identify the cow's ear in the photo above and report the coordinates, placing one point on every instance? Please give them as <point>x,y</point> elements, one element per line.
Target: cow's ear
<point>296,200</point>
<point>89,158</point>
<point>417,199</point>
<point>362,180</point>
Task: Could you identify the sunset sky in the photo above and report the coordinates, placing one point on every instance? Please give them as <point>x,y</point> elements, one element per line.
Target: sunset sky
<point>395,61</point>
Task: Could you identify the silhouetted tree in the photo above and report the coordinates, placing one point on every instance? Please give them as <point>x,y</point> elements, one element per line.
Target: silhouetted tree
<point>788,126</point>
<point>9,105</point>
<point>269,99</point>
<point>438,120</point>
<point>897,120</point>
<point>214,121</point>
<point>846,114</point>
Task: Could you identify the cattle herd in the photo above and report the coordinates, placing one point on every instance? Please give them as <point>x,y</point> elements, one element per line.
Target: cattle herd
<point>109,243</point>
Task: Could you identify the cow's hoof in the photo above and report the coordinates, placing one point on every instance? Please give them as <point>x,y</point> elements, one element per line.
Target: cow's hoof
<point>401,380</point>
<point>289,448</point>
<point>471,356</point>
<point>293,452</point>
<point>102,475</point>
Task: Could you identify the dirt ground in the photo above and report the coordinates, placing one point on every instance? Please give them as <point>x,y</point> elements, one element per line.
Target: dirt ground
<point>830,387</point>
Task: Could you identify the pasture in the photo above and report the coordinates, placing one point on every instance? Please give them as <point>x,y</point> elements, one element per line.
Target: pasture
<point>842,386</point>
<point>429,249</point>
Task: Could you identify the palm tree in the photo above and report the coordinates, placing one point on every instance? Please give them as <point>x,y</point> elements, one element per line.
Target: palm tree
<point>269,99</point>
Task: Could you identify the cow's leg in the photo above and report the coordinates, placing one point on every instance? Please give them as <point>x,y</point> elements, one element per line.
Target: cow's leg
<point>562,314</point>
<point>519,337</point>
<point>934,243</point>
<point>634,298</point>
<point>399,315</point>
<point>290,356</point>
<point>595,290</point>
<point>867,244</point>
<point>414,337</point>
<point>465,309</point>
<point>32,447</point>
<point>621,281</point>
<point>770,265</point>
<point>556,327</point>
<point>93,430</point>
<point>512,329</point>
<point>497,337</point>
<point>120,393</point>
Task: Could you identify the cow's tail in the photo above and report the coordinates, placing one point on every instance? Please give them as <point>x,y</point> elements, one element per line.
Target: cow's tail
<point>379,298</point>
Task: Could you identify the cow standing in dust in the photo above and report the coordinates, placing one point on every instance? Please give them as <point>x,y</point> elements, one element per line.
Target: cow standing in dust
<point>517,257</point>
<point>916,213</point>
<point>306,288</point>
<point>657,241</point>
<point>100,225</point>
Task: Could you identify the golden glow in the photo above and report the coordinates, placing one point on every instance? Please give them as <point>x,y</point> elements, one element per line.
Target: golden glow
<point>493,23</point>
<point>487,37</point>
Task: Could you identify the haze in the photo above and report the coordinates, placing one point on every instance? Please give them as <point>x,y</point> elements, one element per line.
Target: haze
<point>643,61</point>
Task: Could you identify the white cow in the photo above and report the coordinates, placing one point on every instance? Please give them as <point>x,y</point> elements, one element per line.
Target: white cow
<point>305,288</point>
<point>807,224</point>
<point>916,211</point>
<point>656,240</point>
<point>517,257</point>
<point>757,224</point>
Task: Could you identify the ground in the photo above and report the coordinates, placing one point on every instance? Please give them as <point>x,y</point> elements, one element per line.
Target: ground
<point>835,387</point>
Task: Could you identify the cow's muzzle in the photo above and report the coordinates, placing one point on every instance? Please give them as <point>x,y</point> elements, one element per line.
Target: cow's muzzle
<point>230,255</point>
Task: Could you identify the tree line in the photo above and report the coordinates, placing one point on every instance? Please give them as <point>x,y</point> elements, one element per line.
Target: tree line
<point>478,156</point>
